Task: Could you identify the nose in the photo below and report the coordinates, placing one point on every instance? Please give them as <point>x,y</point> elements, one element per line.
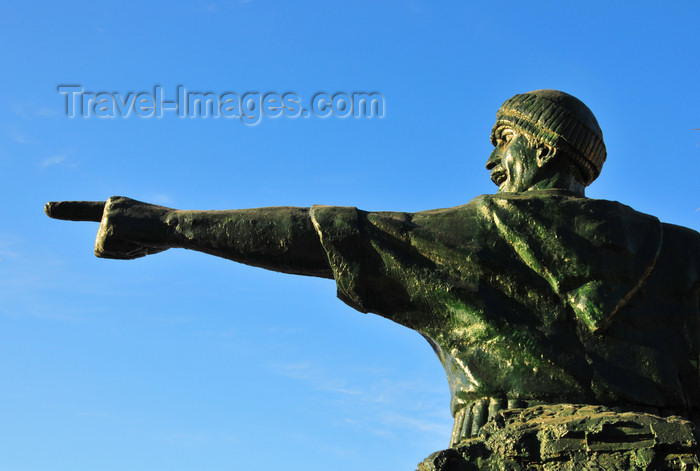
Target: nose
<point>494,159</point>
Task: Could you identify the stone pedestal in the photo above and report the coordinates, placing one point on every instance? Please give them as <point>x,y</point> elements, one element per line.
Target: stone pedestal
<point>573,437</point>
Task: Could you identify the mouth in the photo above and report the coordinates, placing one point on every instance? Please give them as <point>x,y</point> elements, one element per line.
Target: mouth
<point>498,175</point>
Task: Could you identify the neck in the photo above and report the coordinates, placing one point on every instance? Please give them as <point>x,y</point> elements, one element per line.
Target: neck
<point>560,181</point>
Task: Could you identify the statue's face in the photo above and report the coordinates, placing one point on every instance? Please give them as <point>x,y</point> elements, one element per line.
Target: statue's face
<point>513,163</point>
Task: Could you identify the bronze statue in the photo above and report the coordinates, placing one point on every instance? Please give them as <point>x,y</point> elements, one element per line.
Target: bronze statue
<point>534,299</point>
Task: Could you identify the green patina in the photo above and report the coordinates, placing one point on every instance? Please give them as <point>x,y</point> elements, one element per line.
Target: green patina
<point>536,294</point>
<point>486,284</point>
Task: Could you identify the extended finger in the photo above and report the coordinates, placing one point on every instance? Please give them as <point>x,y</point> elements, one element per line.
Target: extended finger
<point>75,210</point>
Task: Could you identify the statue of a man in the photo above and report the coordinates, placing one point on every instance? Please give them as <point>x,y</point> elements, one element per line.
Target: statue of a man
<point>534,295</point>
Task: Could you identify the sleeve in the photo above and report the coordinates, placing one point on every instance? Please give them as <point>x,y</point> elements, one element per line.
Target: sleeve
<point>357,252</point>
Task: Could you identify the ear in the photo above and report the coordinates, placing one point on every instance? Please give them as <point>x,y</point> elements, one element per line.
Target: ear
<point>545,153</point>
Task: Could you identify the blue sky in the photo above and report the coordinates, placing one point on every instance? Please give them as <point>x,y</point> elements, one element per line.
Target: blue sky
<point>181,361</point>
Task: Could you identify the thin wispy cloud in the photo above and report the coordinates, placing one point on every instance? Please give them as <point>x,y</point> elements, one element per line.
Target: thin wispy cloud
<point>47,112</point>
<point>318,378</point>
<point>293,370</point>
<point>25,305</point>
<point>184,438</point>
<point>175,320</point>
<point>21,110</point>
<point>55,160</point>
<point>108,417</point>
<point>21,138</point>
<point>29,110</point>
<point>197,438</point>
<point>279,330</point>
<point>381,406</point>
<point>385,404</point>
<point>399,421</point>
<point>162,199</point>
<point>16,134</point>
<point>8,246</point>
<point>422,421</point>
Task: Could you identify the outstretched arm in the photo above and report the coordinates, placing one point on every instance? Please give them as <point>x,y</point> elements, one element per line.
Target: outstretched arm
<point>280,239</point>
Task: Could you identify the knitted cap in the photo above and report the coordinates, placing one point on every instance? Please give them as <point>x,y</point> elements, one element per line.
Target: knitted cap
<point>560,120</point>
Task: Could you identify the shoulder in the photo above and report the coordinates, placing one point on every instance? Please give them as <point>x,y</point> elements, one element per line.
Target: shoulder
<point>452,214</point>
